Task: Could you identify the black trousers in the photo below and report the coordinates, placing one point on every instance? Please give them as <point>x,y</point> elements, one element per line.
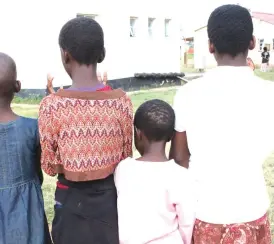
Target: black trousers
<point>86,215</point>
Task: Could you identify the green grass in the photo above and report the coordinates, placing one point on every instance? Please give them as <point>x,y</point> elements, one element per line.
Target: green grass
<point>32,99</point>
<point>27,111</point>
<point>138,99</point>
<point>265,75</point>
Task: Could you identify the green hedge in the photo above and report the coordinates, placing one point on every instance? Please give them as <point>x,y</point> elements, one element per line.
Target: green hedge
<point>32,99</point>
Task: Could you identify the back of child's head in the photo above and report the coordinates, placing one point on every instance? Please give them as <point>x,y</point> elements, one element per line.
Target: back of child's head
<point>156,119</point>
<point>230,29</point>
<point>83,39</point>
<point>8,78</point>
<point>265,49</point>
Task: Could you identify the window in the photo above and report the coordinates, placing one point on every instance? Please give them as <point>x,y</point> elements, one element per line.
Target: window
<point>150,26</point>
<point>167,27</point>
<point>133,21</point>
<point>261,44</point>
<point>92,16</point>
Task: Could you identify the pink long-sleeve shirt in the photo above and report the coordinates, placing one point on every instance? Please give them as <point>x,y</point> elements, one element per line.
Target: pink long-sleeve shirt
<point>156,203</point>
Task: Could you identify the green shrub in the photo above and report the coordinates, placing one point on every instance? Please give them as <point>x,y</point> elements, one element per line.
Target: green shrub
<point>32,99</point>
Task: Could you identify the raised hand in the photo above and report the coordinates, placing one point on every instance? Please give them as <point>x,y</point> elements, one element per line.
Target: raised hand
<point>49,84</point>
<point>105,78</point>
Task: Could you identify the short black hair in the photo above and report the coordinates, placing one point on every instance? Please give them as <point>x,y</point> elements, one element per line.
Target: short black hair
<point>83,38</point>
<point>265,49</point>
<point>156,119</point>
<point>230,29</point>
<point>8,75</point>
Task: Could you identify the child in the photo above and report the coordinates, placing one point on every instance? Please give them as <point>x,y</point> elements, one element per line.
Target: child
<point>224,121</point>
<point>21,202</point>
<point>86,130</point>
<point>155,200</point>
<point>265,60</point>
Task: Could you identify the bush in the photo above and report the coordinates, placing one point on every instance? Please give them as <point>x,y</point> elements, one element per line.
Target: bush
<point>32,99</point>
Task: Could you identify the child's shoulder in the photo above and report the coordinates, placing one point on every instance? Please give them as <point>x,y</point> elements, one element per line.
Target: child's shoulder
<point>26,127</point>
<point>28,122</point>
<point>125,162</point>
<point>178,171</point>
<point>48,100</point>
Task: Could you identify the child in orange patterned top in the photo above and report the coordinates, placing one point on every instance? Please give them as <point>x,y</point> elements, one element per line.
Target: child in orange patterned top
<point>85,132</point>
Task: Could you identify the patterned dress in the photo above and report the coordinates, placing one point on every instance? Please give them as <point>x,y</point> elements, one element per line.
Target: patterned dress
<point>255,232</point>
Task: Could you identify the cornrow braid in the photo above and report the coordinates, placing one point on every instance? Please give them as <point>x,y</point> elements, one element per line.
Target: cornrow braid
<point>156,119</point>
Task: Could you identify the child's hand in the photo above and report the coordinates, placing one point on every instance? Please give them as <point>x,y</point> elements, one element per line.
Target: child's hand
<point>105,78</point>
<point>49,84</point>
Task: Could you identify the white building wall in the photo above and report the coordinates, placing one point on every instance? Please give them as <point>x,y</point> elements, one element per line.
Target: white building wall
<point>29,33</point>
<point>202,57</point>
<point>262,30</point>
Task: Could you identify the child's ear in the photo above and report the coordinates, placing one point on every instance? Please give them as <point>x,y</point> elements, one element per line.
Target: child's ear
<point>17,86</point>
<point>252,43</point>
<point>171,137</point>
<point>103,55</point>
<point>67,57</point>
<point>211,47</point>
<point>137,133</point>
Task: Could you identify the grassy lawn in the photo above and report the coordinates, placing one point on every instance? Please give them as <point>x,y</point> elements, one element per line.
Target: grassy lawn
<point>138,99</point>
<point>265,75</point>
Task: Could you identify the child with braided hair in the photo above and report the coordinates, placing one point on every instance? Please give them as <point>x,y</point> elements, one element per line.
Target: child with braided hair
<point>156,203</point>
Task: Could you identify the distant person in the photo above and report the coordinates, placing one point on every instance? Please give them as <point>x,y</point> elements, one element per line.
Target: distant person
<point>155,197</point>
<point>22,217</point>
<point>224,133</point>
<point>265,60</point>
<point>85,130</point>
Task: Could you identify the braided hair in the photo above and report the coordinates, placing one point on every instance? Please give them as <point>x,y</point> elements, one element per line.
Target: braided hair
<point>156,119</point>
<point>230,29</point>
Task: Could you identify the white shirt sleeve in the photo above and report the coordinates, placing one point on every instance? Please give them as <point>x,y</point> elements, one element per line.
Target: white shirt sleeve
<point>179,106</point>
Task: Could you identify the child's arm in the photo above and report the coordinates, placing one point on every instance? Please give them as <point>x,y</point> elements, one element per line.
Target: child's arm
<point>38,165</point>
<point>185,208</point>
<point>179,150</point>
<point>38,156</point>
<point>127,127</point>
<point>48,130</point>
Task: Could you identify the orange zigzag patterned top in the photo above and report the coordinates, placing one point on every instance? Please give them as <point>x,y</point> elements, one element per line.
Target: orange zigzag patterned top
<point>84,135</point>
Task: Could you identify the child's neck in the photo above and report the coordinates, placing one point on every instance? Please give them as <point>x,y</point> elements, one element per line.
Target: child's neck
<point>6,113</point>
<point>154,152</point>
<point>84,76</point>
<point>226,60</point>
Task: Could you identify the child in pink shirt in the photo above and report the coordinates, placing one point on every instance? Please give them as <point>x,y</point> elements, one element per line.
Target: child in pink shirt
<point>155,197</point>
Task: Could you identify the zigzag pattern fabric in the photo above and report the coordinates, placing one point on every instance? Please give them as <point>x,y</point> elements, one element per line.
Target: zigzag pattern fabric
<point>85,136</point>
